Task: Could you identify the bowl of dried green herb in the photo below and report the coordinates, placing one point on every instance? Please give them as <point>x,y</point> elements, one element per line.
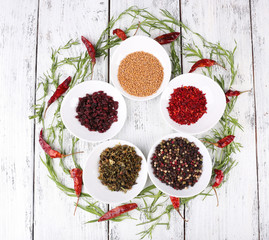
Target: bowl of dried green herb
<point>115,172</point>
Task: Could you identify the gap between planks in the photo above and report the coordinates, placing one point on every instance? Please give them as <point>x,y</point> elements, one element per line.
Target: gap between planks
<point>108,80</point>
<point>255,115</point>
<point>34,127</point>
<point>181,61</point>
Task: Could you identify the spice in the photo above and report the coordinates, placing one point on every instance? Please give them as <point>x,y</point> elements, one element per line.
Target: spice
<point>76,174</point>
<point>48,150</point>
<point>233,93</point>
<point>167,38</point>
<point>176,204</point>
<point>90,49</point>
<point>115,212</point>
<point>177,163</point>
<point>97,111</point>
<point>121,34</point>
<point>204,63</point>
<point>218,181</point>
<point>140,74</point>
<point>119,167</point>
<point>187,105</point>
<point>61,89</point>
<point>223,142</point>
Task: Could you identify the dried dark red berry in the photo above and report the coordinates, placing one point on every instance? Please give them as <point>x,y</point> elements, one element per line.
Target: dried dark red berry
<point>97,111</point>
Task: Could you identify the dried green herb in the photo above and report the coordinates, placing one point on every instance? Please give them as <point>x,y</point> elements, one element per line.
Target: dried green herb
<point>119,167</point>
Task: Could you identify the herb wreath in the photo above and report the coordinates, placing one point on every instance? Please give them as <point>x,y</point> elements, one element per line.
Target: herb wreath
<point>150,200</point>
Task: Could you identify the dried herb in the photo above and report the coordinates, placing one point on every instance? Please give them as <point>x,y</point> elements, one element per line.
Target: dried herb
<point>119,167</point>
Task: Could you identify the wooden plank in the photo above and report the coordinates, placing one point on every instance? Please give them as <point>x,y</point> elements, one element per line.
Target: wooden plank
<point>237,215</point>
<point>260,51</point>
<point>143,127</point>
<point>17,79</point>
<point>59,22</point>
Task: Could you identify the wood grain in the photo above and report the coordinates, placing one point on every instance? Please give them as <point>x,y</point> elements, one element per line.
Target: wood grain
<point>260,34</point>
<point>59,22</point>
<point>17,89</point>
<point>237,215</point>
<point>144,126</point>
<point>27,194</point>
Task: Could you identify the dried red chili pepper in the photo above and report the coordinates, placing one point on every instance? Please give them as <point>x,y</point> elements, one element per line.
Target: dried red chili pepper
<point>204,63</point>
<point>47,148</point>
<point>233,93</point>
<point>218,181</point>
<point>167,38</point>
<point>90,49</point>
<point>76,174</point>
<point>176,204</point>
<point>121,34</point>
<point>115,212</point>
<point>223,142</point>
<point>61,89</point>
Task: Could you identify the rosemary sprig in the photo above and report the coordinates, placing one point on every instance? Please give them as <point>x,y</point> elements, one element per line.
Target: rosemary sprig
<point>151,199</point>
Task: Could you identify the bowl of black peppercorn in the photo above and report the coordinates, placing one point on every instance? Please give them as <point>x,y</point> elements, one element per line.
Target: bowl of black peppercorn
<point>179,165</point>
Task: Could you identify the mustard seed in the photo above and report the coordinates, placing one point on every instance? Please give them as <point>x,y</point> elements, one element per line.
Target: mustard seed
<point>140,74</point>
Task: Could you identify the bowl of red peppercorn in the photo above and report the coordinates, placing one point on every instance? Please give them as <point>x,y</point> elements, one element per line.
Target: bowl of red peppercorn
<point>192,103</point>
<point>93,111</point>
<point>179,165</point>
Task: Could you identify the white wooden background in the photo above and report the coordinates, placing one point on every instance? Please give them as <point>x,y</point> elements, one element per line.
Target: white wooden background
<point>31,207</point>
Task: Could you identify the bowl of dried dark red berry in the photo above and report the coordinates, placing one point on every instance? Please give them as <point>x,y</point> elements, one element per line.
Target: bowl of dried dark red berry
<point>192,103</point>
<point>179,165</point>
<point>93,111</point>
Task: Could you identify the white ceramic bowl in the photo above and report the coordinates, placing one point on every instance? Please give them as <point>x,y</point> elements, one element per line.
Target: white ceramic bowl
<point>101,192</point>
<point>202,181</point>
<point>216,102</point>
<point>70,102</point>
<point>134,44</point>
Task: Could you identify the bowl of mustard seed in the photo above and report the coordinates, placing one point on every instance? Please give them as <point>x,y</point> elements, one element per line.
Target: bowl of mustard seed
<point>140,68</point>
<point>179,165</point>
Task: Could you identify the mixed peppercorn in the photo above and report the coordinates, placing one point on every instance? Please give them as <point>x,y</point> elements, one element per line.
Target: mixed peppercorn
<point>119,167</point>
<point>177,163</point>
<point>97,111</point>
<point>187,105</point>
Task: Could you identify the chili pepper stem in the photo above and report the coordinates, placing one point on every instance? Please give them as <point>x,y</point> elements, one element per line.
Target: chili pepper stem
<point>76,206</point>
<point>137,28</point>
<point>216,196</point>
<point>93,64</point>
<point>221,66</point>
<point>245,91</point>
<point>46,111</point>
<point>185,220</point>
<point>215,144</point>
<point>71,154</point>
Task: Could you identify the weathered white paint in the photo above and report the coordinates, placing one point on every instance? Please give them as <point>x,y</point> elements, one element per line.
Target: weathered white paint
<point>17,89</point>
<point>237,215</point>
<point>60,21</point>
<point>144,126</point>
<point>261,50</point>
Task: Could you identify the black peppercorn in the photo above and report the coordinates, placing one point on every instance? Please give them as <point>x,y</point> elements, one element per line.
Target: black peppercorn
<point>177,163</point>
